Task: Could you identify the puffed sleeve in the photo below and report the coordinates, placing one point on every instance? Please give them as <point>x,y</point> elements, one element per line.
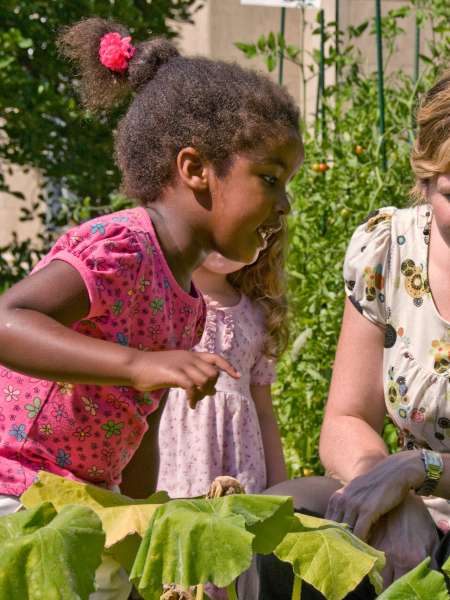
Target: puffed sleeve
<point>263,371</point>
<point>107,254</point>
<point>366,265</point>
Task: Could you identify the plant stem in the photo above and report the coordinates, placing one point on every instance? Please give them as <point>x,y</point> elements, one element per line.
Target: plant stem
<point>200,591</point>
<point>297,590</point>
<point>231,591</point>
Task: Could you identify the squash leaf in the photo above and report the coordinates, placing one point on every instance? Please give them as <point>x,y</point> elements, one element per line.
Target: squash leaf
<point>422,583</point>
<point>124,519</point>
<point>41,549</point>
<point>198,541</point>
<point>329,557</point>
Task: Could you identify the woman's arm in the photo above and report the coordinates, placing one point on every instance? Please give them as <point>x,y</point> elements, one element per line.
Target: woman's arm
<point>273,450</point>
<point>350,441</point>
<point>351,446</point>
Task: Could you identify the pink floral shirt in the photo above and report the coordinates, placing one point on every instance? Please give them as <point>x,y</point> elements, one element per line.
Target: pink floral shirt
<point>90,432</point>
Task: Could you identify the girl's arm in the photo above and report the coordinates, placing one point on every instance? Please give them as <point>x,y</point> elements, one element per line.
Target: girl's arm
<point>35,339</point>
<point>273,450</point>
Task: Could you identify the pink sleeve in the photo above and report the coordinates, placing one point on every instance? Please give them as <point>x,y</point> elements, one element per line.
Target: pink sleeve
<point>107,255</point>
<point>263,371</point>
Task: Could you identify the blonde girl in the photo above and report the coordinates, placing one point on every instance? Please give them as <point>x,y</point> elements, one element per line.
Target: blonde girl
<point>233,431</point>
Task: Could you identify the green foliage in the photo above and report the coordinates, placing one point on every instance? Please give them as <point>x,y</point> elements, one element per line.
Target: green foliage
<point>124,520</point>
<point>329,557</point>
<point>328,204</point>
<point>419,584</point>
<point>41,552</point>
<point>183,542</point>
<point>195,541</point>
<point>41,122</point>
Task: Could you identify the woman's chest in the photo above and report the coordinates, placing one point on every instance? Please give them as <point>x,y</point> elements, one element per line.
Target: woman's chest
<point>416,376</point>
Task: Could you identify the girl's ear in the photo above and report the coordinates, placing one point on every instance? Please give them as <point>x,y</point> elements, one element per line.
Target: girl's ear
<point>193,169</point>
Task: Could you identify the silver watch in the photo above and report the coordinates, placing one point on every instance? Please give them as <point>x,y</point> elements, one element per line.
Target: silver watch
<point>434,466</point>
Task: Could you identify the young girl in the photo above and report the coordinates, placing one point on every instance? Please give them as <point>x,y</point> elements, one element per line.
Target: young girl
<point>233,432</point>
<point>107,319</point>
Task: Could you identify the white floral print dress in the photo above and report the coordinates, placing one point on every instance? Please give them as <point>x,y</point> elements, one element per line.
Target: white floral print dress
<point>386,278</point>
<point>222,435</point>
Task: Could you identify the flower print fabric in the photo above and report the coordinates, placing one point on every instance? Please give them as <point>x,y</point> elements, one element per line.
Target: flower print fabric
<point>222,435</point>
<point>386,278</point>
<point>90,432</point>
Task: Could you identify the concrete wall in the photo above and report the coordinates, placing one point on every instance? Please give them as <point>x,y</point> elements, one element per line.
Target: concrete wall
<point>223,22</point>
<point>29,185</point>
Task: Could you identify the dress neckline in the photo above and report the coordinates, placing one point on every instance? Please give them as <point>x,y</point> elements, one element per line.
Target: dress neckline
<point>215,304</point>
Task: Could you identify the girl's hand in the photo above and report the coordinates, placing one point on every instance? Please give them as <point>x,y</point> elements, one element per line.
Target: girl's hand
<point>368,497</point>
<point>406,535</point>
<point>195,372</point>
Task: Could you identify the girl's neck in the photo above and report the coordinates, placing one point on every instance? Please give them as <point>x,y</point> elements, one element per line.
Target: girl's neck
<point>183,244</point>
<point>216,286</point>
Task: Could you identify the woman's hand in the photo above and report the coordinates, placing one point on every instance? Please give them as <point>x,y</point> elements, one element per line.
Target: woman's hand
<point>364,500</point>
<point>195,372</point>
<point>407,534</point>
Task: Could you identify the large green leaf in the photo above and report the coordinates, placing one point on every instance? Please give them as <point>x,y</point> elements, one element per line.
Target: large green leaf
<point>61,491</point>
<point>124,519</point>
<point>422,583</point>
<point>329,557</point>
<point>41,550</point>
<point>268,518</point>
<point>446,567</point>
<point>196,541</point>
<point>121,516</point>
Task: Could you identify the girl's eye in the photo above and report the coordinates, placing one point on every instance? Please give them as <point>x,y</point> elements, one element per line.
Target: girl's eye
<point>270,179</point>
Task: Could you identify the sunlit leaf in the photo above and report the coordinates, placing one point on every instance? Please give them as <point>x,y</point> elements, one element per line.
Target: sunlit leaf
<point>329,557</point>
<point>47,555</point>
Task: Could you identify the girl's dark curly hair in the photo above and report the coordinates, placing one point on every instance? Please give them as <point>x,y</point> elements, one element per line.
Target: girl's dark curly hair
<point>219,108</point>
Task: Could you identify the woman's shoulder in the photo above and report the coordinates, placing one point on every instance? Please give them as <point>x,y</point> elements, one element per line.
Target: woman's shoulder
<point>366,263</point>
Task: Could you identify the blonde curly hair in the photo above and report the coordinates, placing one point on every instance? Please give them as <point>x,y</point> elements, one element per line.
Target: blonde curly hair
<point>264,282</point>
<point>430,155</point>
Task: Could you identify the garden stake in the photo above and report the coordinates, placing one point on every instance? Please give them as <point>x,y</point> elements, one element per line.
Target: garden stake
<point>231,591</point>
<point>336,42</point>
<point>320,108</point>
<point>200,591</point>
<point>281,57</point>
<point>380,83</point>
<point>417,51</point>
<point>297,589</point>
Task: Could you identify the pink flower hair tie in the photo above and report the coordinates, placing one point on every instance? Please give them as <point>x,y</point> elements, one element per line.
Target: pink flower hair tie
<point>115,51</point>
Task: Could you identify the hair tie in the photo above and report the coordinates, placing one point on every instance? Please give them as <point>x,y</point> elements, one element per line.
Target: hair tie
<point>115,51</point>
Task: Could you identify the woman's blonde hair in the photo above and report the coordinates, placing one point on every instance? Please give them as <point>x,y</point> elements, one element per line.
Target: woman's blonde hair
<point>431,151</point>
<point>264,282</point>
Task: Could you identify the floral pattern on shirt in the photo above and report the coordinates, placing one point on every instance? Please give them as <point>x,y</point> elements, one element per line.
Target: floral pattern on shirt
<point>416,361</point>
<point>90,432</point>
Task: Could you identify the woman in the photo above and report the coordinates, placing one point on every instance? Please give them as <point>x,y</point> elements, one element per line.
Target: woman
<point>393,357</point>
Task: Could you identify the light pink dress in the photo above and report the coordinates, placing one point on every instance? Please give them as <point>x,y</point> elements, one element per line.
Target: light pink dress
<point>222,435</point>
